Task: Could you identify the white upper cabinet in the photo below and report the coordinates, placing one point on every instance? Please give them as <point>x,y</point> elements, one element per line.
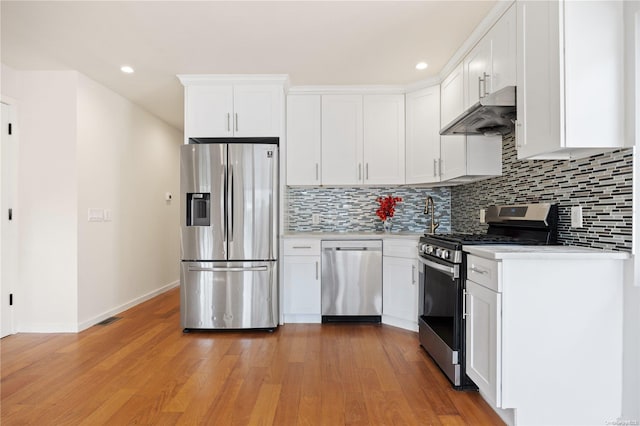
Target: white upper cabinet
<point>342,140</point>
<point>464,158</point>
<point>224,107</point>
<point>256,110</point>
<point>570,68</point>
<point>423,137</point>
<point>303,140</point>
<point>208,111</point>
<point>384,148</point>
<point>491,64</point>
<point>477,72</point>
<point>452,96</point>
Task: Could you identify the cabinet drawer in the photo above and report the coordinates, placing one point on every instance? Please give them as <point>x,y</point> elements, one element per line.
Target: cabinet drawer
<point>301,247</point>
<point>407,249</point>
<point>484,272</point>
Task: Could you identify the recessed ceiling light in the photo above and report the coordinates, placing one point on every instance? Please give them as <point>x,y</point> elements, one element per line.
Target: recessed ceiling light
<point>126,69</point>
<point>421,66</point>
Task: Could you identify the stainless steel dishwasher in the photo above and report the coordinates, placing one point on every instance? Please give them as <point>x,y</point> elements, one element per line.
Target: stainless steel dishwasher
<point>351,280</point>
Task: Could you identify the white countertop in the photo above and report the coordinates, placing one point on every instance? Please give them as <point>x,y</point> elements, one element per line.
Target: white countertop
<point>354,235</point>
<point>498,252</point>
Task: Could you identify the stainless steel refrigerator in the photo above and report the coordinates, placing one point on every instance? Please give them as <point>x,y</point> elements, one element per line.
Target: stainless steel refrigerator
<point>229,224</point>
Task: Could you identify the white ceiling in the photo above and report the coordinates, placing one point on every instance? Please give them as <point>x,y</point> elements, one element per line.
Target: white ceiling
<point>315,43</point>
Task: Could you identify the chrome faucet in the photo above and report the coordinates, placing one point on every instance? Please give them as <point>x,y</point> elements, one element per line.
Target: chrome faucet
<point>434,225</point>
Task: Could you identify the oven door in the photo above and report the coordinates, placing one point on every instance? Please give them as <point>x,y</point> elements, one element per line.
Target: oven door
<point>440,315</point>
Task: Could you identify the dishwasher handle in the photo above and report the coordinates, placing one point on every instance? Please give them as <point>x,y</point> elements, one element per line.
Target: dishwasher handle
<point>350,248</point>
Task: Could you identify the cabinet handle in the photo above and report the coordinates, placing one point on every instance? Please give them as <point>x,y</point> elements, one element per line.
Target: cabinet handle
<point>228,122</point>
<point>478,270</point>
<point>317,270</point>
<point>359,171</point>
<point>464,304</point>
<point>519,143</point>
<point>413,274</point>
<point>366,169</point>
<point>301,247</point>
<point>435,165</point>
<point>484,82</point>
<point>440,168</point>
<point>317,172</point>
<point>236,121</point>
<point>479,87</point>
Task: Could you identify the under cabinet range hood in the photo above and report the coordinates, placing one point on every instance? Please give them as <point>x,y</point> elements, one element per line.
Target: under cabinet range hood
<point>493,115</point>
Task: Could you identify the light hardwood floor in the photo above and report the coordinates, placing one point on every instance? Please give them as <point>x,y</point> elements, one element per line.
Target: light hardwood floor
<point>143,370</point>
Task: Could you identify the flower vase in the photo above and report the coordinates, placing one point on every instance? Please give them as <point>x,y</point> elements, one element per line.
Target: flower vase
<point>386,224</point>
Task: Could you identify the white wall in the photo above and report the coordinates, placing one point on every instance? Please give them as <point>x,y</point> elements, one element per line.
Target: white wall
<point>82,146</point>
<point>46,297</point>
<point>127,161</point>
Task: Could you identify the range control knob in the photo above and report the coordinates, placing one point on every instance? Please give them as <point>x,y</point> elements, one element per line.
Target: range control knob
<point>446,254</point>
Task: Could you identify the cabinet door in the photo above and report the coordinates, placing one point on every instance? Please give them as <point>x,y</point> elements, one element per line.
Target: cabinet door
<point>503,55</point>
<point>303,140</point>
<point>342,140</point>
<point>208,111</point>
<point>477,66</point>
<point>302,285</point>
<point>452,96</point>
<point>483,339</point>
<point>257,110</point>
<point>539,94</point>
<point>454,157</point>
<point>400,289</point>
<point>423,136</point>
<point>383,153</point>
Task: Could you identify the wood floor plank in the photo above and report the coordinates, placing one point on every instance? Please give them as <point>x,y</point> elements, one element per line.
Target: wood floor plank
<point>142,369</point>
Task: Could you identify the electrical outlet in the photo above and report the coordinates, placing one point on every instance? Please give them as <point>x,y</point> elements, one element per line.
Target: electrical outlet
<point>315,218</point>
<point>576,217</point>
<point>483,214</point>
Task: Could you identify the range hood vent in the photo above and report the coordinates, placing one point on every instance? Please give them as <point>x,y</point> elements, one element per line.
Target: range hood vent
<point>493,115</point>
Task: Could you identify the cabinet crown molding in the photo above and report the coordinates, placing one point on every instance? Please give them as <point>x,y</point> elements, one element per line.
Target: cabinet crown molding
<point>347,90</point>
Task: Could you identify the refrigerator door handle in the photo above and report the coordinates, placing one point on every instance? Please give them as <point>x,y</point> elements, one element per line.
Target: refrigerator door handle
<point>231,203</point>
<point>229,269</point>
<point>225,204</point>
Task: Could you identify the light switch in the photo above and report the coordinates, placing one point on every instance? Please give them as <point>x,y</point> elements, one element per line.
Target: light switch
<point>483,213</point>
<point>315,218</point>
<point>107,215</point>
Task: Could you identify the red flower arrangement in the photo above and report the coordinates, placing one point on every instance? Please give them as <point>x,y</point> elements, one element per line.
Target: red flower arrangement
<point>387,206</point>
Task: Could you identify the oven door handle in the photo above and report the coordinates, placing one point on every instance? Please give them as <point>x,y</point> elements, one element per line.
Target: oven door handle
<point>453,271</point>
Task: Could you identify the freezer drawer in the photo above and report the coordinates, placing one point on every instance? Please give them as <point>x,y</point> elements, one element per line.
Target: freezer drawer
<point>352,278</point>
<point>228,295</point>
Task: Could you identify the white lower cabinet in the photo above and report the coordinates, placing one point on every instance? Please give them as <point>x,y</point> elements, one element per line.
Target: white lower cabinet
<point>400,284</point>
<point>483,340</point>
<point>544,333</point>
<point>301,281</point>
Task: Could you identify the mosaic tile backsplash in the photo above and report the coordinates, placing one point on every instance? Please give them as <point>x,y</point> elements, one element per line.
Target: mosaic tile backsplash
<point>601,184</point>
<point>354,209</point>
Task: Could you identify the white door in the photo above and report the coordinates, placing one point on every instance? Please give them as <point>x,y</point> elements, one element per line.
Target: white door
<point>423,136</point>
<point>8,227</point>
<point>483,328</point>
<point>503,55</point>
<point>454,156</point>
<point>208,112</point>
<point>342,140</point>
<point>303,140</point>
<point>383,117</point>
<point>256,110</point>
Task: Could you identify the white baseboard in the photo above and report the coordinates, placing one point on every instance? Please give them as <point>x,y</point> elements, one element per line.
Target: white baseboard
<point>400,323</point>
<point>93,321</point>
<point>49,327</point>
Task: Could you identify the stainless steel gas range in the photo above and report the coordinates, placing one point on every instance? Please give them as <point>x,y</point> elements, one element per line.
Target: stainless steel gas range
<point>442,278</point>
